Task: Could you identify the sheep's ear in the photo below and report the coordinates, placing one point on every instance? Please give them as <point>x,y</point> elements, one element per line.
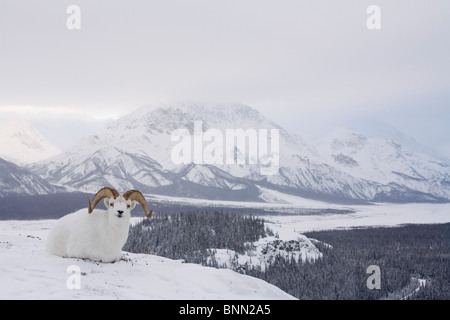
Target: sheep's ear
<point>133,204</point>
<point>106,201</point>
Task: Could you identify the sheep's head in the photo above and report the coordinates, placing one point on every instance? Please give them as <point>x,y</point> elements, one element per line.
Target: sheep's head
<point>119,205</point>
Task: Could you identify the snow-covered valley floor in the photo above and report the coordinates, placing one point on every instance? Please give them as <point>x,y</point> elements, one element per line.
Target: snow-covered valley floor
<point>363,216</point>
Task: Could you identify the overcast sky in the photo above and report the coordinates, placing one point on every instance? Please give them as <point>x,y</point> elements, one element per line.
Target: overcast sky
<point>305,64</point>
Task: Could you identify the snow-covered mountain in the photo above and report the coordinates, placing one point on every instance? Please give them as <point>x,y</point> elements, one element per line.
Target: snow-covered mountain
<point>390,159</point>
<point>15,180</point>
<point>23,144</point>
<point>136,151</point>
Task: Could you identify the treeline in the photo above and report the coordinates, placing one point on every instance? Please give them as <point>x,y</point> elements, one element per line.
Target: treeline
<point>189,235</point>
<point>404,255</point>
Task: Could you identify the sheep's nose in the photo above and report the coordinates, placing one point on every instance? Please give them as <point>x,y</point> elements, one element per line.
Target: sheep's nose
<point>120,212</point>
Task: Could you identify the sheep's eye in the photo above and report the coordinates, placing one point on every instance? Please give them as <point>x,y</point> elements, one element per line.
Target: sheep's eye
<point>128,206</point>
<point>111,204</point>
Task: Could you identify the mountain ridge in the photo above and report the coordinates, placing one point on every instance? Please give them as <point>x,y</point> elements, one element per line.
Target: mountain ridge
<point>135,151</point>
<point>18,180</point>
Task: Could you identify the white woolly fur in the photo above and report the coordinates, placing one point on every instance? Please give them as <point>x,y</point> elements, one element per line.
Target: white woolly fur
<point>98,236</point>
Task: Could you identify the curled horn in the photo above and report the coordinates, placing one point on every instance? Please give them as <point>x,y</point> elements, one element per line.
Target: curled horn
<point>103,193</point>
<point>137,196</point>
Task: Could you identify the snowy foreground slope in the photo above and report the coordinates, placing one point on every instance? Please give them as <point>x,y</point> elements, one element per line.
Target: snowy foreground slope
<point>27,271</point>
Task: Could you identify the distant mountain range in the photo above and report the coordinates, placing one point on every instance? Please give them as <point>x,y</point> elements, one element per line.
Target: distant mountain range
<point>136,151</point>
<point>395,161</point>
<point>15,180</point>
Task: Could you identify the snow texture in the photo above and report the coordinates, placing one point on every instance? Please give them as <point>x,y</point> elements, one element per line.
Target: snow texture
<point>27,271</point>
<point>363,216</point>
<point>23,144</point>
<point>135,152</point>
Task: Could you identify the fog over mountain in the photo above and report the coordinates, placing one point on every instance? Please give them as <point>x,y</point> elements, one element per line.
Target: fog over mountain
<point>23,144</point>
<point>135,151</point>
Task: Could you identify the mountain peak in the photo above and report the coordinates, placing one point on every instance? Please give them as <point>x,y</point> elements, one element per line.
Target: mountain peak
<point>199,111</point>
<point>23,144</point>
<point>138,149</point>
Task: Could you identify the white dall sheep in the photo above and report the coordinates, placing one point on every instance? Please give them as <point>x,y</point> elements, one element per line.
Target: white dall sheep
<point>101,234</point>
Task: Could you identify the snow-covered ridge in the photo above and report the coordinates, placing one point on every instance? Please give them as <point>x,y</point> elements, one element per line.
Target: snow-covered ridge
<point>388,161</point>
<point>265,251</point>
<point>135,152</point>
<point>15,180</point>
<point>27,271</point>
